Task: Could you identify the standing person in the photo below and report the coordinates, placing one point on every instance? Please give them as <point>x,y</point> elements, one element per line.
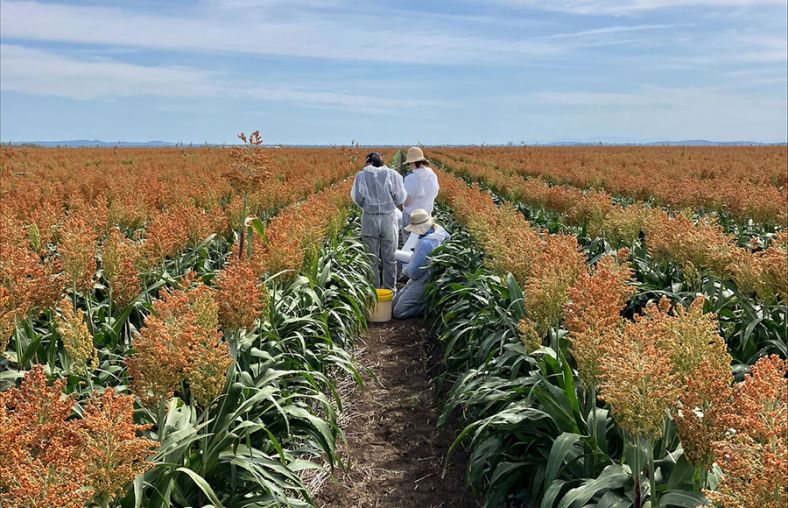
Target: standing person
<point>378,190</point>
<point>409,302</point>
<point>421,185</point>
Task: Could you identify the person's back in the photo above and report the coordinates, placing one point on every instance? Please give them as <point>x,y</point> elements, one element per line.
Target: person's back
<point>422,188</point>
<point>378,190</point>
<point>421,185</point>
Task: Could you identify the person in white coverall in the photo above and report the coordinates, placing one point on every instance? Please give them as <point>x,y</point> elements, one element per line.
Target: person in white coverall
<point>421,185</point>
<point>378,190</point>
<point>409,302</point>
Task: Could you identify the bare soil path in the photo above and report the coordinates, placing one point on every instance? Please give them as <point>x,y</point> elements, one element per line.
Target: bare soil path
<point>394,449</point>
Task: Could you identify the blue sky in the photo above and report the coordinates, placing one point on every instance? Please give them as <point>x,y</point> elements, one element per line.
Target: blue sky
<point>332,71</point>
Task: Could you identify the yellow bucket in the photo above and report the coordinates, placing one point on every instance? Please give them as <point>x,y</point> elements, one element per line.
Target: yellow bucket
<point>383,307</point>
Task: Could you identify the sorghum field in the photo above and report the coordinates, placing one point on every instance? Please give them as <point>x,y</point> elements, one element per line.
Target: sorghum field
<point>176,323</point>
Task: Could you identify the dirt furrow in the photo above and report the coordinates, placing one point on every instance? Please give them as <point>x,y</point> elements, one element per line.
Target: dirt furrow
<point>393,448</point>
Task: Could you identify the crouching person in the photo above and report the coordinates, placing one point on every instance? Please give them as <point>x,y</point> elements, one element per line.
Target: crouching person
<point>409,302</point>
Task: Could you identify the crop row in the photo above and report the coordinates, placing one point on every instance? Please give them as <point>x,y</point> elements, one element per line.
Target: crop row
<point>575,392</point>
<point>747,182</point>
<point>123,232</point>
<point>674,254</point>
<point>225,369</point>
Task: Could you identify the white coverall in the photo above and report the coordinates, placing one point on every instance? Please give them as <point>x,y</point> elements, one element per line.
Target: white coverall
<point>422,188</point>
<point>378,191</point>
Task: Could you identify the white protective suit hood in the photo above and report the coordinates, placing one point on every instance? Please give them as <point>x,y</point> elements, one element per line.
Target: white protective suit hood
<point>378,190</point>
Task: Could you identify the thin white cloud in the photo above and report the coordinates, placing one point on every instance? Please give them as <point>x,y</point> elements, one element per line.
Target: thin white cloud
<point>336,30</point>
<point>609,30</point>
<point>37,72</point>
<point>300,33</point>
<point>658,113</point>
<point>622,8</point>
<point>763,48</point>
<point>649,97</point>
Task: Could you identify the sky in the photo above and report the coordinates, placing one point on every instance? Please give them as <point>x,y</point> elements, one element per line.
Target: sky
<point>404,72</point>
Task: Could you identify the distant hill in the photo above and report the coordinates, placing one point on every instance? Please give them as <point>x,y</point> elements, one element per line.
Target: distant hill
<point>704,142</point>
<point>585,142</point>
<point>75,143</point>
<point>687,142</point>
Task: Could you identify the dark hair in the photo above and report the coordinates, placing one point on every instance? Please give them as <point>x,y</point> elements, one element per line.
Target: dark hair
<point>419,164</point>
<point>375,159</point>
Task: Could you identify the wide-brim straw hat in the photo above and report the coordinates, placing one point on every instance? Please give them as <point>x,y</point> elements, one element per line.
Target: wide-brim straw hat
<point>414,155</point>
<point>420,222</point>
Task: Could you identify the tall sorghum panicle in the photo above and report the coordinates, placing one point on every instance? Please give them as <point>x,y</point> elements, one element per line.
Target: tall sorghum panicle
<point>753,456</point>
<point>166,235</point>
<point>693,246</point>
<point>638,381</point>
<point>77,340</point>
<point>691,337</point>
<point>763,272</point>
<point>249,168</point>
<point>180,343</point>
<point>8,319</point>
<point>679,342</point>
<point>699,418</point>
<point>77,249</point>
<point>119,260</point>
<point>51,458</point>
<point>553,271</point>
<point>702,366</point>
<point>207,370</point>
<point>240,295</point>
<point>27,284</point>
<point>42,463</point>
<point>624,224</point>
<point>637,378</point>
<point>115,454</point>
<point>593,313</point>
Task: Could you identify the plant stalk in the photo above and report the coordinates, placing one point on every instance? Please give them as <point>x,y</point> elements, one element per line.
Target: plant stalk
<point>636,467</point>
<point>652,474</point>
<point>243,228</point>
<point>594,437</point>
<point>109,304</point>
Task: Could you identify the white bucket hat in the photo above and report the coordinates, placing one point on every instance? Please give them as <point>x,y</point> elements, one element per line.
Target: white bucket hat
<point>420,221</point>
<point>414,155</point>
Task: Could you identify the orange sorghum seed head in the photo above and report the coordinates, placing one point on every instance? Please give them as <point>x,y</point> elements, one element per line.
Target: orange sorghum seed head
<point>554,269</point>
<point>240,295</point>
<point>77,250</point>
<point>180,342</point>
<point>115,455</point>
<point>753,455</point>
<point>119,258</point>
<point>702,245</point>
<point>29,283</point>
<point>637,379</point>
<point>41,464</point>
<point>596,301</point>
<point>693,336</point>
<point>704,399</point>
<point>76,338</point>
<point>623,224</point>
